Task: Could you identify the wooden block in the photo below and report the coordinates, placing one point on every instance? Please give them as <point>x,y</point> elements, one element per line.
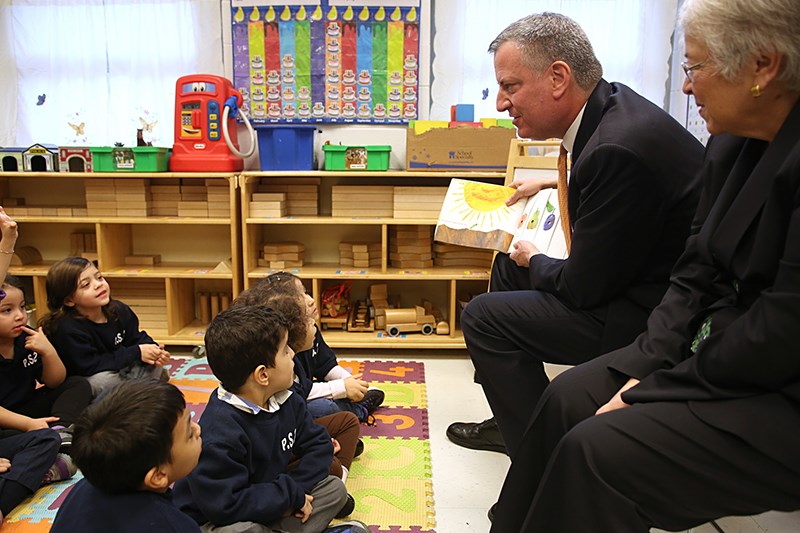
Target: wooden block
<point>467,263</point>
<point>111,204</point>
<point>165,189</point>
<point>394,256</point>
<point>214,297</point>
<point>194,197</point>
<point>16,211</point>
<point>130,182</point>
<point>412,264</point>
<point>268,197</point>
<point>143,259</point>
<point>433,215</point>
<point>286,256</point>
<point>361,212</point>
<point>197,182</point>
<point>268,213</point>
<point>25,255</point>
<point>64,211</point>
<point>278,265</point>
<point>80,212</point>
<point>8,202</point>
<point>283,247</point>
<point>410,248</point>
<point>205,307</point>
<point>224,301</point>
<point>49,211</point>
<point>193,189</point>
<point>133,212</point>
<point>166,211</point>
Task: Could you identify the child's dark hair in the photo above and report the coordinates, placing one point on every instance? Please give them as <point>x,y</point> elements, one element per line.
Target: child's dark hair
<point>61,283</point>
<point>125,432</point>
<point>14,281</point>
<point>282,281</point>
<point>286,300</point>
<point>240,339</point>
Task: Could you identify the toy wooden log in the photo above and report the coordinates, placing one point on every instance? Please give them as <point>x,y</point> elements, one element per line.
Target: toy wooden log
<point>26,255</point>
<point>205,312</point>
<point>214,304</point>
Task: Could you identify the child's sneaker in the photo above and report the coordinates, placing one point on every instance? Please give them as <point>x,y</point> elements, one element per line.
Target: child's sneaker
<point>359,448</point>
<point>66,436</point>
<point>63,468</point>
<point>351,526</point>
<point>372,400</point>
<point>348,507</point>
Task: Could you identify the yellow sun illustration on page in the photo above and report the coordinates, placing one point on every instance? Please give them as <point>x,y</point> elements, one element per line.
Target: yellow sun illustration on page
<point>482,203</point>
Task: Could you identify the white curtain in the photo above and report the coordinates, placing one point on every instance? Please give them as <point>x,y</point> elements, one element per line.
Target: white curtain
<point>90,72</point>
<point>630,37</point>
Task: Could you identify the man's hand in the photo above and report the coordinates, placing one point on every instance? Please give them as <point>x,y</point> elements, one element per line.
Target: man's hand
<point>616,402</point>
<point>305,511</point>
<point>522,253</point>
<point>528,187</point>
<point>355,388</point>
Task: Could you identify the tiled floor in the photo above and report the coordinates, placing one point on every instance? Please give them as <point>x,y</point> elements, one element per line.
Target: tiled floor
<point>466,482</point>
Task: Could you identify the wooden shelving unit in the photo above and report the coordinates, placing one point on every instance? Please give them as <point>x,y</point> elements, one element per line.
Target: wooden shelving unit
<point>322,233</point>
<point>163,295</point>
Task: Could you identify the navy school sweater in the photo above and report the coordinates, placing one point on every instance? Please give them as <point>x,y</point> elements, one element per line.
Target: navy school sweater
<point>90,510</point>
<point>18,375</point>
<point>313,365</point>
<point>241,475</point>
<point>87,348</point>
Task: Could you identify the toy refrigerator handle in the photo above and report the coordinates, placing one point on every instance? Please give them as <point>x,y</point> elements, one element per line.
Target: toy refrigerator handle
<point>230,103</point>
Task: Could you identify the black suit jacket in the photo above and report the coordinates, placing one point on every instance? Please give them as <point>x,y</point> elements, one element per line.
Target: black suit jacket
<point>741,268</point>
<point>633,192</point>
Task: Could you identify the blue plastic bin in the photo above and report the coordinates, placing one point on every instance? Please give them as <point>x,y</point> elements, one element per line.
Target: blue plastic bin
<point>286,147</point>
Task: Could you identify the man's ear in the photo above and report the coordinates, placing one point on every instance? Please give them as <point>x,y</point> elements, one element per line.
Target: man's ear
<point>156,479</point>
<point>560,77</point>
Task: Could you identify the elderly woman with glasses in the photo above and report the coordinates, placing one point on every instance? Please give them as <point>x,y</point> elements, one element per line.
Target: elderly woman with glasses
<point>699,417</point>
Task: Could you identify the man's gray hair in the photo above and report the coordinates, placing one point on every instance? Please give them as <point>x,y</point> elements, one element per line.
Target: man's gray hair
<point>736,30</point>
<point>547,37</point>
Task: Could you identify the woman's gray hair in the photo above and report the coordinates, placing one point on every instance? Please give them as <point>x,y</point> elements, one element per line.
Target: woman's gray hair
<point>736,30</point>
<point>547,37</point>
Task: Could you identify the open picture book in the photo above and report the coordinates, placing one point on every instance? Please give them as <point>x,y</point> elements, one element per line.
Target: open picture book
<point>475,214</point>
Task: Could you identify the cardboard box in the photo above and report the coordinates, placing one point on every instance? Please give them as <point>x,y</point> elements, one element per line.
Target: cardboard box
<point>482,149</point>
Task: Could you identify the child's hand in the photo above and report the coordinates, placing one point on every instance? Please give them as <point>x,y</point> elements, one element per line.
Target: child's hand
<point>8,228</point>
<point>336,446</point>
<point>5,464</point>
<point>33,424</point>
<point>305,512</point>
<point>355,388</point>
<point>37,341</point>
<point>153,354</point>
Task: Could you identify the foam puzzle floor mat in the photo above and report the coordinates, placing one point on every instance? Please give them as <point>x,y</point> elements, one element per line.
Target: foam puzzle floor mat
<point>391,481</point>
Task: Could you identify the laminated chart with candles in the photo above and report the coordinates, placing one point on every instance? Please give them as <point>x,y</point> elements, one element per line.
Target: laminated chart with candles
<point>327,60</point>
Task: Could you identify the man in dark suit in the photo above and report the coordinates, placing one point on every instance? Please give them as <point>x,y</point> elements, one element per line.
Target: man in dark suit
<point>632,193</point>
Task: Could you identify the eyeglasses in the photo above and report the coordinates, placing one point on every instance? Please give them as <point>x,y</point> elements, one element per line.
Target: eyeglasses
<point>689,69</point>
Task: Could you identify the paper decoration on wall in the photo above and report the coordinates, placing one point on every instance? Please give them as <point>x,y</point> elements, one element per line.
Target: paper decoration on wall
<point>327,62</point>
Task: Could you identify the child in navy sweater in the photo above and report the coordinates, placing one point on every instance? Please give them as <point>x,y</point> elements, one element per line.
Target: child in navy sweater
<point>29,448</point>
<point>28,357</point>
<point>254,428</point>
<point>131,445</point>
<point>328,387</point>
<point>96,336</point>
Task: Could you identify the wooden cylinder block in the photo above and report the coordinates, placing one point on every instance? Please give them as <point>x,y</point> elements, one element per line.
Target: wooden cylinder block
<point>205,307</point>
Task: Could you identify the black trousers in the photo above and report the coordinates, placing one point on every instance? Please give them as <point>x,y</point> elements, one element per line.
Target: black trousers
<point>66,401</point>
<point>647,465</point>
<point>510,331</point>
<point>31,455</point>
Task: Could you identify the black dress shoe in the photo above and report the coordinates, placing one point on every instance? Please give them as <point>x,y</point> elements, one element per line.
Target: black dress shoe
<point>491,512</point>
<point>477,436</point>
<point>348,507</point>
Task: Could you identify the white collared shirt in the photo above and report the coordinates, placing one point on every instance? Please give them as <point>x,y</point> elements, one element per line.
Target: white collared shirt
<point>569,137</point>
<point>243,404</point>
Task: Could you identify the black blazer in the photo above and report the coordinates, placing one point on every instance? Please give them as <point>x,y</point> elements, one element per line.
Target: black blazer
<point>741,268</point>
<point>633,192</point>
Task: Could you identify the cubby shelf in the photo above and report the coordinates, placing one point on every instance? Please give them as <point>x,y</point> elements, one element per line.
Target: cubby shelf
<point>163,295</point>
<point>322,233</point>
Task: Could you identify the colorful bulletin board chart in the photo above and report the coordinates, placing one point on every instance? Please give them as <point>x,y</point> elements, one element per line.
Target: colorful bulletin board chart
<point>327,60</point>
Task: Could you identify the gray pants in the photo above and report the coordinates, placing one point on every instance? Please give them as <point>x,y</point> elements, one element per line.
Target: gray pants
<point>329,497</point>
<point>109,378</point>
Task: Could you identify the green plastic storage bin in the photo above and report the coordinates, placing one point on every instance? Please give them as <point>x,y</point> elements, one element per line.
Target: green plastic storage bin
<point>134,159</point>
<point>338,157</point>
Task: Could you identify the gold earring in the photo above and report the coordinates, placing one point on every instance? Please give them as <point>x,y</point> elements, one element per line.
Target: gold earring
<point>755,90</point>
